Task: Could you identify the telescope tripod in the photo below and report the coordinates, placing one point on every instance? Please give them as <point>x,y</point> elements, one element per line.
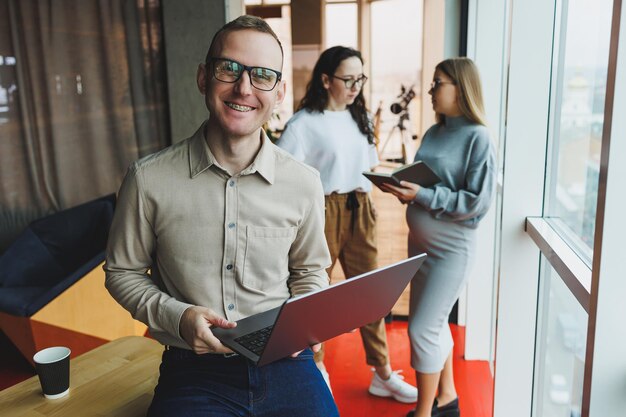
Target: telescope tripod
<point>401,132</point>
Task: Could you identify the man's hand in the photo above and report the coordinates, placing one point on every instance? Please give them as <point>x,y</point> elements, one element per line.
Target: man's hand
<point>195,329</point>
<point>315,348</point>
<point>405,194</point>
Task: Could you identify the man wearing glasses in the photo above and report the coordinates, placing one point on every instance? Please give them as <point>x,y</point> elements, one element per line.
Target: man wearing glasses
<point>219,227</point>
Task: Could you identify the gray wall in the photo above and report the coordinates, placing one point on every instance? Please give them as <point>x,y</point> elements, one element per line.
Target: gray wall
<point>188,27</point>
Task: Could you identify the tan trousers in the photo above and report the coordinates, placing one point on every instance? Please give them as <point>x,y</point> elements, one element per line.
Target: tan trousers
<point>353,242</point>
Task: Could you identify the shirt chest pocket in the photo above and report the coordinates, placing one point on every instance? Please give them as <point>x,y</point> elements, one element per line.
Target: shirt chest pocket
<point>266,257</point>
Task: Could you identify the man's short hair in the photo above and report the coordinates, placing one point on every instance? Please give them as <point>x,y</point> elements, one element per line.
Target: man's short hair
<point>242,23</point>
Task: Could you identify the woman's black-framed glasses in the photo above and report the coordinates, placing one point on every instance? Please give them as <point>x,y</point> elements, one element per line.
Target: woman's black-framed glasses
<point>229,71</point>
<point>351,82</point>
<point>437,82</point>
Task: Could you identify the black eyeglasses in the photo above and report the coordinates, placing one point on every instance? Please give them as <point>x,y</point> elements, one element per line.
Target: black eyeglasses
<point>351,82</point>
<point>229,71</point>
<point>436,83</point>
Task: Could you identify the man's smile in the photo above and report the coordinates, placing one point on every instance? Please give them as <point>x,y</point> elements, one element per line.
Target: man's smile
<point>238,107</point>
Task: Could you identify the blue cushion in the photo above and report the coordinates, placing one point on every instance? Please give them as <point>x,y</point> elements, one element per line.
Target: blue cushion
<point>27,300</point>
<point>27,262</point>
<point>16,301</point>
<point>52,254</point>
<point>75,235</point>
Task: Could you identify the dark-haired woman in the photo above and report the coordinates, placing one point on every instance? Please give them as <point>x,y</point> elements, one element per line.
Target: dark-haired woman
<point>332,133</point>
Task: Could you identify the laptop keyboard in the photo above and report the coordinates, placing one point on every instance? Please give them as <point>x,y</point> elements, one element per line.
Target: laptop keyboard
<point>255,341</point>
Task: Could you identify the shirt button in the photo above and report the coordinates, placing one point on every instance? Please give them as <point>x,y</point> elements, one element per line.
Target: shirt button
<point>231,306</point>
<point>231,225</point>
<point>229,267</point>
<point>231,183</point>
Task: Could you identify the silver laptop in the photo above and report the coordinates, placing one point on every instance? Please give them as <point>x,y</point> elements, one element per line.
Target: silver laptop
<point>320,315</point>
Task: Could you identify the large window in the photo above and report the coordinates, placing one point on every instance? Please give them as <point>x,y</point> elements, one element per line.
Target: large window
<point>580,69</point>
<point>396,71</point>
<point>560,332</point>
<point>578,92</point>
<point>341,26</point>
<point>561,354</point>
<point>581,61</point>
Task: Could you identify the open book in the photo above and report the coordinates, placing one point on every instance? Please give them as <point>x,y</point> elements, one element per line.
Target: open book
<point>417,172</point>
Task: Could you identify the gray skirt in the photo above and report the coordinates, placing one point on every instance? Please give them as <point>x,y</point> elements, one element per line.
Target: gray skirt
<point>436,286</point>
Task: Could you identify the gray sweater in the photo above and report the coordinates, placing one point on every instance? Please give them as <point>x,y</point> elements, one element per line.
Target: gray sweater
<point>462,155</point>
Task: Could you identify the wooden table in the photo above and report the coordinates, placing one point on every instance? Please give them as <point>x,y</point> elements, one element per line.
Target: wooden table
<point>115,379</point>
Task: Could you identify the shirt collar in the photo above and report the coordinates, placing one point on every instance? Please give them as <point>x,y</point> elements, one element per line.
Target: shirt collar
<point>201,158</point>
<point>265,161</point>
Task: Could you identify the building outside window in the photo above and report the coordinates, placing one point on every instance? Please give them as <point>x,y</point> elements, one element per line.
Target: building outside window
<point>579,94</point>
<point>580,67</point>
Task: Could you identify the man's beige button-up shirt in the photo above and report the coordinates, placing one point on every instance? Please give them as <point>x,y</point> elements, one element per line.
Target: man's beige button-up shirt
<point>186,233</point>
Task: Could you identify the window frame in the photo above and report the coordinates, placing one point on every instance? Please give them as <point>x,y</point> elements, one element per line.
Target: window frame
<point>527,161</point>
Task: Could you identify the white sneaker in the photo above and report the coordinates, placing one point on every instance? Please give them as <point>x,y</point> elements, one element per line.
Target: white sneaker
<point>326,379</point>
<point>393,387</point>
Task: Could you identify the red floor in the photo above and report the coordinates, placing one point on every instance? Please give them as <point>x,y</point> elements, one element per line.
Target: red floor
<point>350,377</point>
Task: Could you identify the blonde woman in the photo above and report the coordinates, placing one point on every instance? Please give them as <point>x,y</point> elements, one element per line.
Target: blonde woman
<point>442,222</point>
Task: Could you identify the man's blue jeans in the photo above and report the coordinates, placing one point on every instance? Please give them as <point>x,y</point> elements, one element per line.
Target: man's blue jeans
<point>218,386</point>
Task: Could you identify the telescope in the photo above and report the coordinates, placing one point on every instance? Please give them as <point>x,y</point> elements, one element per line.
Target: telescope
<point>405,98</point>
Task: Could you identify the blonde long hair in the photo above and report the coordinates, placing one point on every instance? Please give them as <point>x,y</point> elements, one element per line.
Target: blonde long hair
<point>465,75</point>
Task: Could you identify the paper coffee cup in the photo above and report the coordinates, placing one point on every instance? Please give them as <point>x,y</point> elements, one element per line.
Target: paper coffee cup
<point>53,367</point>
